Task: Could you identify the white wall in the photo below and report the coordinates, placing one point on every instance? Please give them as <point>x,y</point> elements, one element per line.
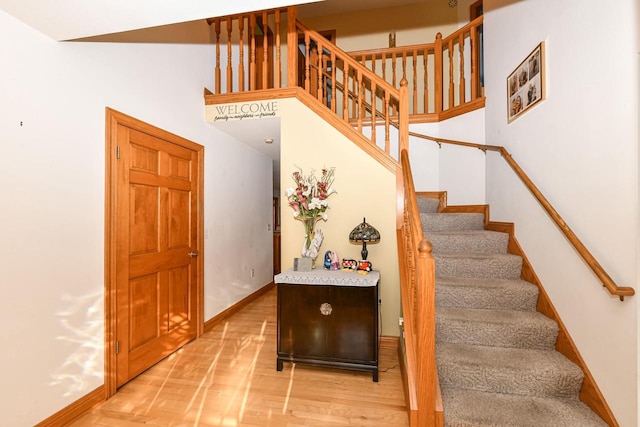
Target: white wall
<point>457,170</point>
<point>52,113</point>
<point>579,146</point>
<point>364,189</point>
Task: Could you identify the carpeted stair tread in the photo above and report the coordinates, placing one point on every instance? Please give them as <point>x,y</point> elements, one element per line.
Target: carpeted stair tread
<point>428,204</point>
<point>485,266</point>
<point>470,241</point>
<point>467,408</point>
<point>495,328</point>
<point>504,294</point>
<point>452,221</point>
<point>507,370</point>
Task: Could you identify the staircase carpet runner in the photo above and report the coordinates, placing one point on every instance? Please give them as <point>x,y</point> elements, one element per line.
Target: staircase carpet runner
<point>497,363</point>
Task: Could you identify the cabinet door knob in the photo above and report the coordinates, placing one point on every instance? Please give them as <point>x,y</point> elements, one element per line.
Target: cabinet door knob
<point>325,308</point>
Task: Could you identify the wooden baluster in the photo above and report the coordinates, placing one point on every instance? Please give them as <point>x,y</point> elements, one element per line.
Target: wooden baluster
<point>451,88</point>
<point>415,81</point>
<point>384,66</point>
<point>475,55</point>
<point>374,59</point>
<point>462,88</point>
<point>278,83</point>
<point>387,143</point>
<point>374,111</point>
<point>360,95</point>
<point>333,82</point>
<point>292,47</point>
<point>252,59</point>
<point>404,64</point>
<point>393,69</point>
<point>426,81</point>
<point>229,58</point>
<point>354,99</point>
<point>345,95</point>
<point>218,71</point>
<point>307,64</point>
<point>321,69</point>
<point>314,73</point>
<point>438,72</point>
<point>393,76</point>
<point>265,50</point>
<point>241,54</point>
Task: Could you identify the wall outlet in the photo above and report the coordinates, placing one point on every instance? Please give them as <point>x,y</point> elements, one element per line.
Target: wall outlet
<point>268,227</point>
<point>253,272</point>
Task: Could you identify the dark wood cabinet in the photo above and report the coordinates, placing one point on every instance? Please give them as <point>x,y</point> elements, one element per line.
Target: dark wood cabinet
<point>328,325</point>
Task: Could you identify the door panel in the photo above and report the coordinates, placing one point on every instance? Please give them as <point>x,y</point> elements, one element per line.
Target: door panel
<point>157,229</point>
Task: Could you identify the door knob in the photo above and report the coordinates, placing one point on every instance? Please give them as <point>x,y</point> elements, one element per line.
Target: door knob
<point>194,254</point>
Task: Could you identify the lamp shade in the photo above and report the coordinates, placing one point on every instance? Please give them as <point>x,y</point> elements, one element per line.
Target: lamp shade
<point>364,233</point>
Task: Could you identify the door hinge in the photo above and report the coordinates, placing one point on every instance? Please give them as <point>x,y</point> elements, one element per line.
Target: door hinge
<point>117,151</point>
<point>117,347</point>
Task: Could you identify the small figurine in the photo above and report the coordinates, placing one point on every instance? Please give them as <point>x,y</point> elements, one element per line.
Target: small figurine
<point>349,264</point>
<point>335,261</point>
<point>364,265</point>
<point>328,255</point>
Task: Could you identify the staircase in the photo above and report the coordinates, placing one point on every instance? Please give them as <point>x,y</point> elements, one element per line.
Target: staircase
<point>496,357</point>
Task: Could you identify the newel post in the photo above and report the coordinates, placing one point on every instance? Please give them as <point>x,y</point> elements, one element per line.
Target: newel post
<point>292,46</point>
<point>403,115</point>
<point>426,333</point>
<point>438,72</point>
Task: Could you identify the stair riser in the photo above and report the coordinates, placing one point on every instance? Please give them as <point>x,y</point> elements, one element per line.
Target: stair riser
<point>452,221</point>
<point>484,268</point>
<point>491,243</point>
<point>475,297</point>
<point>541,336</point>
<point>524,383</point>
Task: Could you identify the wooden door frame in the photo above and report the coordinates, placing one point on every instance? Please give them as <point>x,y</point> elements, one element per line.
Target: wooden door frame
<point>112,120</point>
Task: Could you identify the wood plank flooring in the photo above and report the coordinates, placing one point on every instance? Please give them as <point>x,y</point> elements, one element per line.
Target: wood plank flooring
<point>228,377</point>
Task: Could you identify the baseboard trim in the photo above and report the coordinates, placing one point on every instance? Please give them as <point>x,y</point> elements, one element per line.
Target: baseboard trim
<point>75,410</point>
<point>220,317</point>
<point>388,341</point>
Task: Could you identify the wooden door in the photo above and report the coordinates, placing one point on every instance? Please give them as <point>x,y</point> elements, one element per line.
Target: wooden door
<point>157,268</point>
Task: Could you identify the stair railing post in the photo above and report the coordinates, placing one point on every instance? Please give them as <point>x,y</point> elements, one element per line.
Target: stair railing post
<point>292,46</point>
<point>438,73</point>
<point>403,117</point>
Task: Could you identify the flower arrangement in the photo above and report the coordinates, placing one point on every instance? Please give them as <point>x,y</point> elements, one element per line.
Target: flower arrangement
<point>309,202</point>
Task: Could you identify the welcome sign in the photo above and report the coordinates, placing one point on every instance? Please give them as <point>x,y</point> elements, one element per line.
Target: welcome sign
<point>251,110</point>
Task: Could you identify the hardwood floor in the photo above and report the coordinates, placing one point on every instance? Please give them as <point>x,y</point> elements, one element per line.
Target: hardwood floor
<point>228,377</point>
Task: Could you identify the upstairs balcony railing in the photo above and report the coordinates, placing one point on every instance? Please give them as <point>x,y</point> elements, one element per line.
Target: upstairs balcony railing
<point>444,76</point>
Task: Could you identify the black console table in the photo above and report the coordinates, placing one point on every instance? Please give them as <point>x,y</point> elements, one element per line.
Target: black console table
<point>328,318</point>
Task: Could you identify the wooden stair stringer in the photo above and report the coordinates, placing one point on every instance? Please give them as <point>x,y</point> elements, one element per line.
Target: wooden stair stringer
<point>317,107</point>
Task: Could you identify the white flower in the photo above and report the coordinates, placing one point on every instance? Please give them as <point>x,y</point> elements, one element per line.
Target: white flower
<point>290,192</point>
<point>324,203</point>
<point>330,191</point>
<point>296,214</point>
<point>325,216</point>
<point>315,203</point>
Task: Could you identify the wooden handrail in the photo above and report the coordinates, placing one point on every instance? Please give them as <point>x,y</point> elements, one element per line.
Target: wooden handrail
<point>598,270</point>
<point>336,79</point>
<point>417,292</point>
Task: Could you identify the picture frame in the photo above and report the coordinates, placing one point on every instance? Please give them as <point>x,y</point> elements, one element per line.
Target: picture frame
<point>526,84</point>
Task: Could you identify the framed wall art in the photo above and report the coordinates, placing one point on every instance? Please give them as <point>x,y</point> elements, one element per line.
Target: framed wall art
<point>526,85</point>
